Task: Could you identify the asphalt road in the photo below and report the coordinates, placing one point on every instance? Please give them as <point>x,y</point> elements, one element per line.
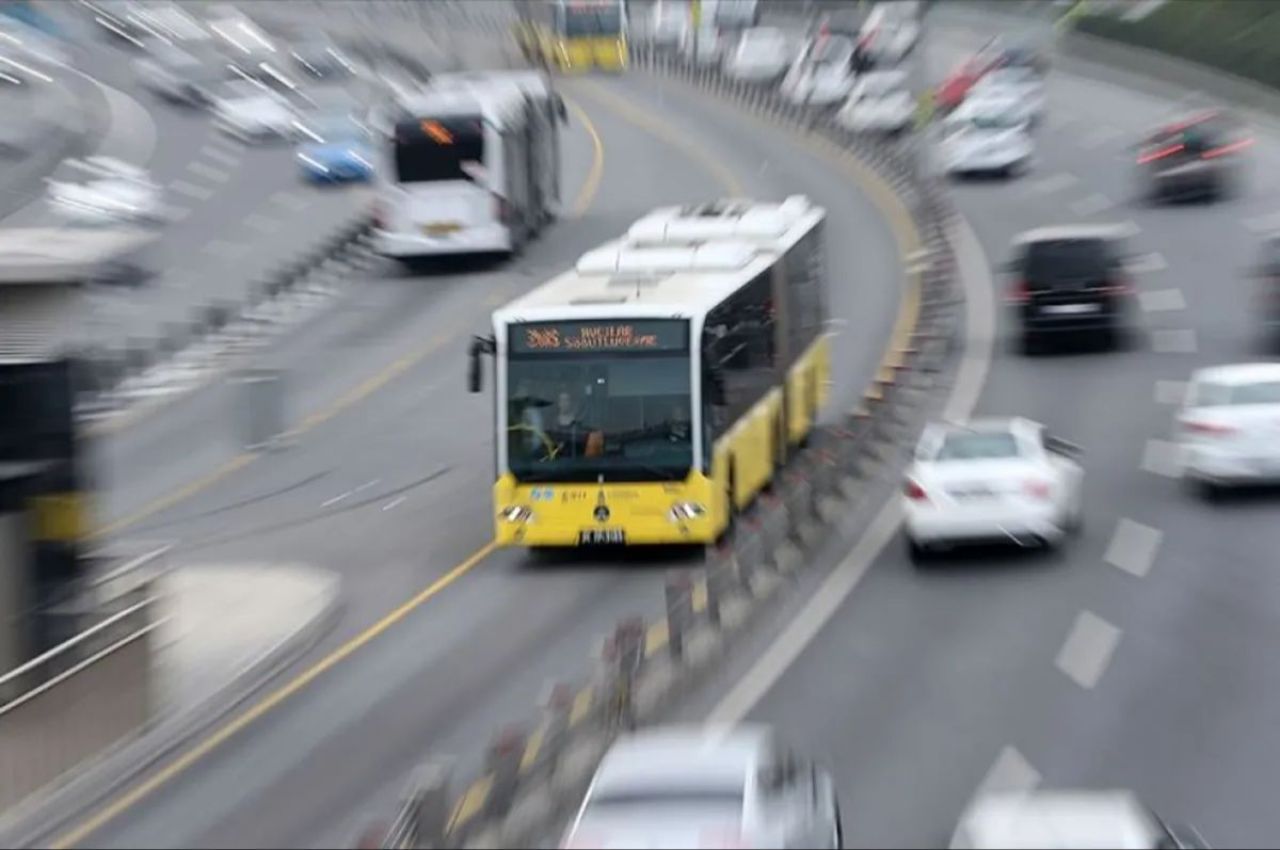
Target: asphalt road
<point>389,485</point>
<point>1140,656</point>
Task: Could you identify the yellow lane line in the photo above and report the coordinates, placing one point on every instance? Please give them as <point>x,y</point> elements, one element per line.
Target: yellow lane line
<point>471,803</point>
<point>139,792</point>
<point>228,730</point>
<point>656,638</point>
<point>581,705</point>
<point>665,132</point>
<point>591,186</point>
<point>530,756</point>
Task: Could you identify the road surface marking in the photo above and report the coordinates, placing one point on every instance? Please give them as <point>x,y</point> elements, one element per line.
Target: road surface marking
<point>975,361</point>
<point>191,190</point>
<point>591,185</point>
<point>1011,773</point>
<point>1162,457</point>
<point>1170,392</point>
<point>394,503</point>
<point>290,201</point>
<point>1181,341</point>
<point>228,730</point>
<point>1088,649</point>
<point>208,172</point>
<point>1268,223</point>
<point>1091,204</point>
<point>221,157</point>
<point>1148,263</point>
<point>1133,547</point>
<point>261,223</point>
<point>1162,300</point>
<point>1099,137</point>
<point>338,498</point>
<point>1051,184</point>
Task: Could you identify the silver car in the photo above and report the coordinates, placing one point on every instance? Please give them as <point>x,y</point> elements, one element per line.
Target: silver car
<point>699,788</point>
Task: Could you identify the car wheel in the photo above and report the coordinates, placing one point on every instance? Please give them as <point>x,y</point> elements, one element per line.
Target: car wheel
<point>917,552</point>
<point>1031,345</point>
<point>1209,490</point>
<point>838,837</point>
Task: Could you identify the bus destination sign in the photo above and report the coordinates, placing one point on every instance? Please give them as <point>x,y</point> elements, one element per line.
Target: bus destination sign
<point>599,336</point>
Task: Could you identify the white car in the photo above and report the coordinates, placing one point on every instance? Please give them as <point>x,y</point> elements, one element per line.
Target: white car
<point>669,22</point>
<point>180,76</point>
<point>1068,820</point>
<point>879,103</point>
<point>116,192</point>
<point>991,480</point>
<point>250,111</point>
<point>1021,87</point>
<point>822,74</point>
<point>760,56</point>
<point>1228,428</point>
<point>986,135</point>
<point>889,34</point>
<point>698,787</point>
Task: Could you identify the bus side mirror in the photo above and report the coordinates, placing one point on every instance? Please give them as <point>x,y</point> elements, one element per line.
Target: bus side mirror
<point>475,373</point>
<point>562,110</point>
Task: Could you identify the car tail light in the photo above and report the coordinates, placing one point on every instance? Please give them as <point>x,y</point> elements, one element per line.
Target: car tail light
<point>1207,429</point>
<point>913,491</point>
<point>1037,489</point>
<point>1226,150</point>
<point>1020,292</point>
<point>1161,153</point>
<point>1116,287</point>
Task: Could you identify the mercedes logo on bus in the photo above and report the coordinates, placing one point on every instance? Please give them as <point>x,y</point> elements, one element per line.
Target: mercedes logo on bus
<point>601,513</point>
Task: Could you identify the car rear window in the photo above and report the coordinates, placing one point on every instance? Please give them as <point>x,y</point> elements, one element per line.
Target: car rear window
<point>978,445</point>
<point>1229,395</point>
<point>1056,260</point>
<point>1196,137</point>
<point>670,795</point>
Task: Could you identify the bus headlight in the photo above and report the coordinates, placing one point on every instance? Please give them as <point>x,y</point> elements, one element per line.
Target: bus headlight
<point>516,513</point>
<point>684,511</point>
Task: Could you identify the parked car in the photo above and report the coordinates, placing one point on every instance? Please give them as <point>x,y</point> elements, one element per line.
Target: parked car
<point>822,75</point>
<point>879,103</point>
<point>760,56</point>
<point>987,136</point>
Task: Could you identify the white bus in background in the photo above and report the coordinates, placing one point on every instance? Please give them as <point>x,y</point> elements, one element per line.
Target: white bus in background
<point>462,172</point>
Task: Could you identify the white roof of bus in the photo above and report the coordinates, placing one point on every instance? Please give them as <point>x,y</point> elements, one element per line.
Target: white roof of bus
<point>679,278</point>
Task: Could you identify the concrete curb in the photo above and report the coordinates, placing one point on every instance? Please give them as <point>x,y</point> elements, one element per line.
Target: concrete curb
<point>35,822</point>
<point>535,774</point>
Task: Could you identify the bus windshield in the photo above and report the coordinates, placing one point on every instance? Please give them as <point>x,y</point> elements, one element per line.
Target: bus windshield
<point>592,19</point>
<point>593,399</point>
<point>436,149</point>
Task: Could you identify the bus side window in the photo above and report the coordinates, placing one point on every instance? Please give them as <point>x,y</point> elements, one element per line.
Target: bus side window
<point>737,342</point>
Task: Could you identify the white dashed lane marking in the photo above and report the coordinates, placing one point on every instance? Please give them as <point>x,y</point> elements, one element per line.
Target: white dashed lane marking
<point>1011,773</point>
<point>208,172</point>
<point>1170,392</point>
<point>1162,457</point>
<point>1091,205</point>
<point>290,201</point>
<point>1181,341</point>
<point>1268,223</point>
<point>262,223</point>
<point>1133,547</point>
<point>1088,649</point>
<point>191,190</point>
<point>1162,300</point>
<point>219,156</point>
<point>1053,183</point>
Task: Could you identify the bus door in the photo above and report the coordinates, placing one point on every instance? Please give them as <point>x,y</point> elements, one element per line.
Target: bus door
<point>442,164</point>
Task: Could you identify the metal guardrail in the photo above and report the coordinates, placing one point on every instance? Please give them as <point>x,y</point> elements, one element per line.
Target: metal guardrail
<point>533,774</point>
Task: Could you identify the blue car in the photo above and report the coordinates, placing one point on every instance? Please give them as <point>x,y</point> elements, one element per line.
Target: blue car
<point>335,151</point>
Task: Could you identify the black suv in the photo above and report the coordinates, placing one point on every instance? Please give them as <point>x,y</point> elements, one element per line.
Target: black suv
<point>1070,281</point>
<point>1197,157</point>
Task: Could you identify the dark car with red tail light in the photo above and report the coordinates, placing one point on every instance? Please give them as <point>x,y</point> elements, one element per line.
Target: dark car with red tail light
<point>1070,281</point>
<point>1198,157</point>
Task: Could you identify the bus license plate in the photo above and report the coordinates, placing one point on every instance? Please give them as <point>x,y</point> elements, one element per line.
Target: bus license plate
<point>601,535</point>
<point>443,228</point>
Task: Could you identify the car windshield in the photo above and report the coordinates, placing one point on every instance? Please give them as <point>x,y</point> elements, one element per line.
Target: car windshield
<point>599,399</point>
<point>992,116</point>
<point>728,797</point>
<point>978,445</point>
<point>1052,260</point>
<point>1194,137</point>
<point>833,51</point>
<point>1231,395</point>
<point>760,42</point>
<point>1012,76</point>
<point>879,85</point>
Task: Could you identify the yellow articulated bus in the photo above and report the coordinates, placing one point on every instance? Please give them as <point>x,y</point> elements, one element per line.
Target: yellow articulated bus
<point>651,392</point>
<point>574,36</point>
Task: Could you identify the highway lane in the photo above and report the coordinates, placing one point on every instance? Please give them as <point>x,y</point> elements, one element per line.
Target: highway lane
<point>1138,657</point>
<point>476,657</point>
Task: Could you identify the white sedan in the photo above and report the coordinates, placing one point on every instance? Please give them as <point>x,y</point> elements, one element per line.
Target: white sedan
<point>879,103</point>
<point>669,21</point>
<point>992,480</point>
<point>822,74</point>
<point>1018,86</point>
<point>699,787</point>
<point>251,111</point>
<point>986,135</point>
<point>116,192</point>
<point>760,56</point>
<point>1228,429</point>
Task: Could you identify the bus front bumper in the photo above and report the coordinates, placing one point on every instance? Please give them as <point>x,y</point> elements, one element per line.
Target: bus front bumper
<point>657,533</point>
<point>470,240</point>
